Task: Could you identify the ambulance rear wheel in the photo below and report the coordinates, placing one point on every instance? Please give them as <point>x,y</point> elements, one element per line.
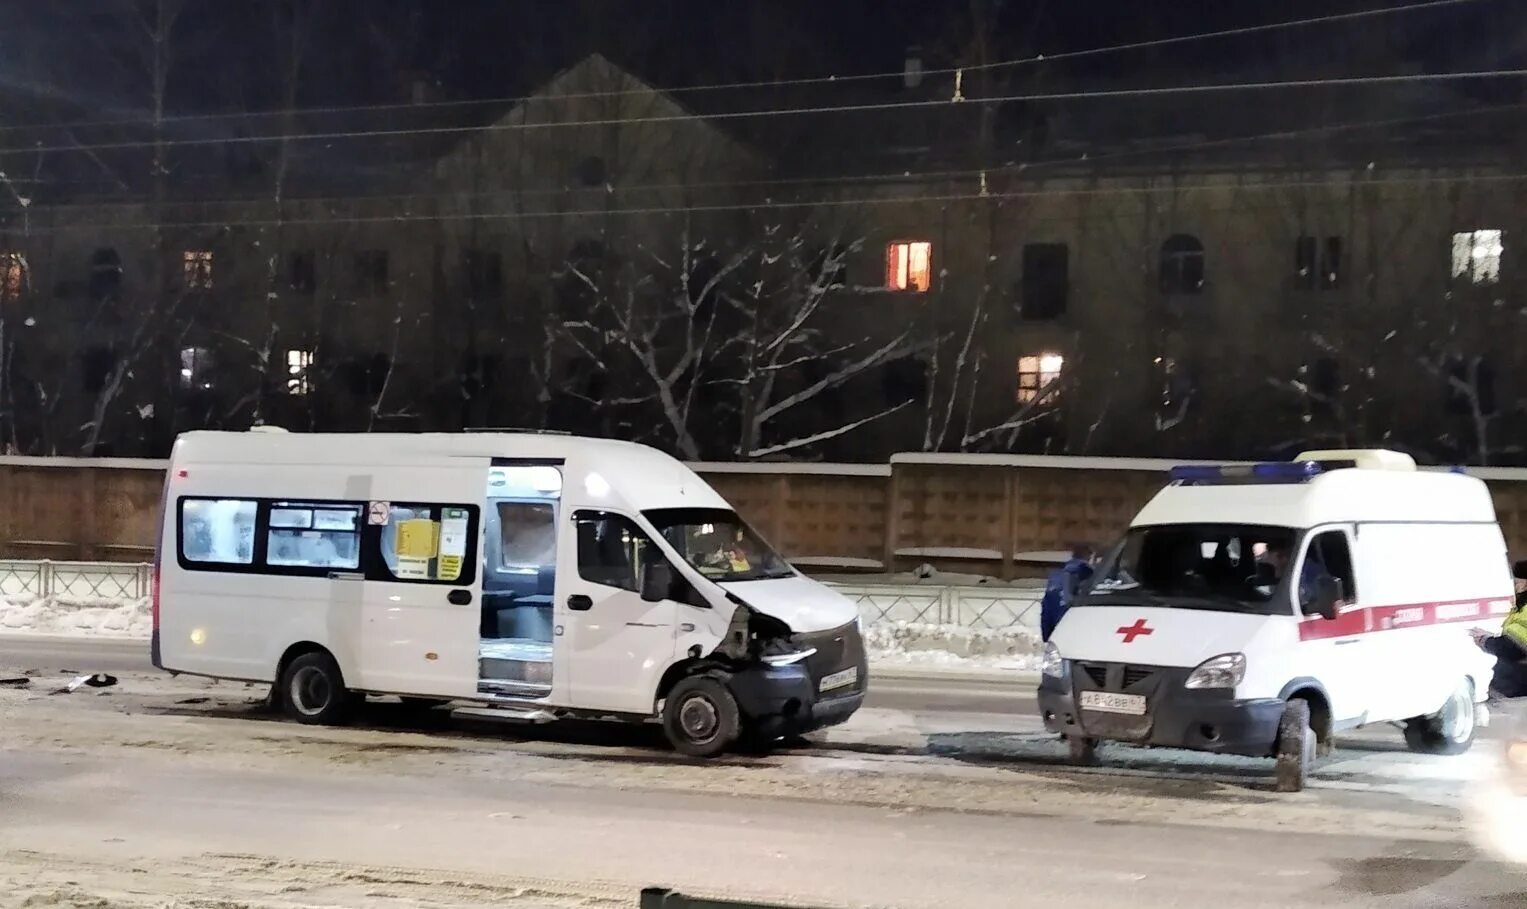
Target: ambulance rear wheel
<point>700,717</point>
<point>313,691</point>
<point>1082,751</point>
<point>1296,747</point>
<point>1449,730</point>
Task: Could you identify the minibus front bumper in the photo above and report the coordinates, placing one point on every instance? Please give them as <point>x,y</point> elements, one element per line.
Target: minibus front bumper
<point>779,701</point>
<point>1175,716</point>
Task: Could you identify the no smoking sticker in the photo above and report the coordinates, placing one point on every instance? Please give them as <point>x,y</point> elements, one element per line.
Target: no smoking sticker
<point>380,513</point>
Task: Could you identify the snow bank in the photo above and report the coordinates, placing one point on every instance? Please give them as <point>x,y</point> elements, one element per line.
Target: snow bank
<point>75,615</point>
<point>924,643</point>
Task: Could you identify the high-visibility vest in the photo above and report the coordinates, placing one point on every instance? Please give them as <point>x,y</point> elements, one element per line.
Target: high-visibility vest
<point>1516,626</point>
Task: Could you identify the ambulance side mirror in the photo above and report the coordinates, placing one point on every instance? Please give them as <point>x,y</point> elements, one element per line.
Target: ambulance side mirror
<point>1520,570</point>
<point>1327,594</point>
<point>657,581</point>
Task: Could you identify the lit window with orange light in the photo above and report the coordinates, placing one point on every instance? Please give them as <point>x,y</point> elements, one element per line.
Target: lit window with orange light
<point>909,266</point>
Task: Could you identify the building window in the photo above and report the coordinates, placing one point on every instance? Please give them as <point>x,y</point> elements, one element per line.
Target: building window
<point>1317,264</point>
<point>299,366</point>
<point>1477,255</point>
<point>13,276</point>
<point>591,171</point>
<point>371,270</point>
<point>105,275</point>
<point>1470,382</point>
<point>195,368</point>
<point>909,266</point>
<point>485,272</point>
<point>1045,276</point>
<point>1182,265</point>
<point>197,266</point>
<point>302,271</point>
<point>1035,373</point>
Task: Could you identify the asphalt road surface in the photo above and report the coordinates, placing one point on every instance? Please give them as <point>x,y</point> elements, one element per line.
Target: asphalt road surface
<point>185,793</point>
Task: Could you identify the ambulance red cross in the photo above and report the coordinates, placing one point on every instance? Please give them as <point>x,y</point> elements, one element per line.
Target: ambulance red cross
<point>1262,609</point>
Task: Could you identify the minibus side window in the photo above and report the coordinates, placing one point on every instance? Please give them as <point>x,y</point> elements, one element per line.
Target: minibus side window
<point>428,544</point>
<point>612,550</point>
<point>218,531</point>
<point>304,535</point>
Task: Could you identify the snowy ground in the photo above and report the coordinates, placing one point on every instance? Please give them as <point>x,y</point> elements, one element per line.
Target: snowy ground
<point>183,793</point>
<point>892,644</point>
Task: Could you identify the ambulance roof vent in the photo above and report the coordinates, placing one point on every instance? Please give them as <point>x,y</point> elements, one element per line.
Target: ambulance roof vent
<point>1362,458</point>
<point>267,429</point>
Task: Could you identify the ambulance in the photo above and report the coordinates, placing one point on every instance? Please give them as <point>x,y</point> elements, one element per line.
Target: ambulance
<point>522,576</point>
<point>1262,609</point>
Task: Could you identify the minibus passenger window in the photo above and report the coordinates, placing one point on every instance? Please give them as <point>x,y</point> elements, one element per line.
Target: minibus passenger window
<point>314,536</point>
<point>429,543</point>
<point>218,531</point>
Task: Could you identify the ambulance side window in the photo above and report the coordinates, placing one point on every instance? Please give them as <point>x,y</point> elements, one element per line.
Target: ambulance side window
<point>1329,554</point>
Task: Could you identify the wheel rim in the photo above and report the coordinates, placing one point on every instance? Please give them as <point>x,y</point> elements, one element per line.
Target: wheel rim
<point>310,691</point>
<point>699,719</point>
<point>1458,718</point>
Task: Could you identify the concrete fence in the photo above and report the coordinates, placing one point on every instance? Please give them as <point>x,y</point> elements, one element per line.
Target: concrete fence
<point>974,607</point>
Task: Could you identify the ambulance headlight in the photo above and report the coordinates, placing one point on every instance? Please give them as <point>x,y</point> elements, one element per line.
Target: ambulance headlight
<point>1051,664</point>
<point>1223,671</point>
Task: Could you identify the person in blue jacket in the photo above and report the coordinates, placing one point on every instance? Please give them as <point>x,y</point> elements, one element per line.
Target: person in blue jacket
<point>1062,587</point>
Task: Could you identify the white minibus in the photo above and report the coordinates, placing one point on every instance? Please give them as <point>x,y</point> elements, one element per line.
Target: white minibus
<point>536,575</point>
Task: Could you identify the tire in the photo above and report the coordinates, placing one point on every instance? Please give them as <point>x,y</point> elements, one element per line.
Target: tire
<point>1081,750</point>
<point>1296,747</point>
<point>1448,731</point>
<point>700,717</point>
<point>313,691</point>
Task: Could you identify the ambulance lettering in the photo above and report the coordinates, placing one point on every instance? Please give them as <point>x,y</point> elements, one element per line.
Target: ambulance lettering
<point>1452,612</point>
<point>1410,615</point>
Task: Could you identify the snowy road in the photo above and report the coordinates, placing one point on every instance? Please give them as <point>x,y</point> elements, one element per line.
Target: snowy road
<point>182,793</point>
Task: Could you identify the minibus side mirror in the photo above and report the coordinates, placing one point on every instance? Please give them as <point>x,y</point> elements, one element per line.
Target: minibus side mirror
<point>1520,570</point>
<point>1327,594</point>
<point>657,582</point>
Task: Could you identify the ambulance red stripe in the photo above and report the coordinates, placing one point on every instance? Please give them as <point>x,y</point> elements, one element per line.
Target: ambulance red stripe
<point>1389,618</point>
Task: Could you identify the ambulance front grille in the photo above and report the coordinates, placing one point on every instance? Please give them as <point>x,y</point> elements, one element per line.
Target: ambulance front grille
<point>1112,676</point>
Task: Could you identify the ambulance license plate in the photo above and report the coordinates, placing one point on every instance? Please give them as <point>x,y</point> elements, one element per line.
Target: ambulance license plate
<point>1108,702</point>
<point>839,679</point>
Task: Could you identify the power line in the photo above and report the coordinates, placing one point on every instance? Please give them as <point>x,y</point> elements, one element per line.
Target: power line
<point>410,218</point>
<point>735,86</point>
<point>827,180</point>
<point>1198,89</point>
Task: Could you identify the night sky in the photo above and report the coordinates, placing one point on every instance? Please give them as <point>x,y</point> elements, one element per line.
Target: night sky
<point>365,51</point>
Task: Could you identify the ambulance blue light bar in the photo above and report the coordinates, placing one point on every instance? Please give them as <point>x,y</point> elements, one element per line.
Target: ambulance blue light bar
<point>1277,472</point>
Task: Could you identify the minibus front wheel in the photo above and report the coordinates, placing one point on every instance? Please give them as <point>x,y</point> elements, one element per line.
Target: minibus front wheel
<point>701,717</point>
<point>313,690</point>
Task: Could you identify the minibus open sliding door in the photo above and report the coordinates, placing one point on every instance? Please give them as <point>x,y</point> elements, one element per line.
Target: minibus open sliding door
<point>422,585</point>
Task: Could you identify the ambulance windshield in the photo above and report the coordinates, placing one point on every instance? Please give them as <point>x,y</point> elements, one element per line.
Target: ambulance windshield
<point>718,544</point>
<point>1224,567</point>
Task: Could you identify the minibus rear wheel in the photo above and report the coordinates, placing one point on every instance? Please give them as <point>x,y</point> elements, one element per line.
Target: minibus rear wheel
<point>700,717</point>
<point>314,692</point>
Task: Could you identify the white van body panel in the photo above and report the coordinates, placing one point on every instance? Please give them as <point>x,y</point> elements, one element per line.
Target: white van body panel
<point>800,602</point>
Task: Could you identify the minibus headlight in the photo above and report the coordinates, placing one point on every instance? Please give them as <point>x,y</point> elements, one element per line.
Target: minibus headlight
<point>1223,671</point>
<point>1051,663</point>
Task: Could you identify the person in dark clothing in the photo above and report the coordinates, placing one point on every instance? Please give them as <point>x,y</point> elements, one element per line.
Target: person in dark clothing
<point>1062,587</point>
<point>1509,647</point>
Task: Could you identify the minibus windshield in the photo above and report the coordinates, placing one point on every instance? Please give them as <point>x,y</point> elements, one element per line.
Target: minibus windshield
<point>718,544</point>
<point>1223,567</point>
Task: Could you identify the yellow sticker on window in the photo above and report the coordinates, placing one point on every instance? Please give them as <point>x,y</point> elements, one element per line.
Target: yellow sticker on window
<point>449,568</point>
<point>417,538</point>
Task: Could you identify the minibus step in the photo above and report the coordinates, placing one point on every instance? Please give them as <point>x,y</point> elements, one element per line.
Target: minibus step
<point>507,713</point>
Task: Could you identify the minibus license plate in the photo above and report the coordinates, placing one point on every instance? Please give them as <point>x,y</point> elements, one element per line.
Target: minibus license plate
<point>1108,702</point>
<point>839,679</point>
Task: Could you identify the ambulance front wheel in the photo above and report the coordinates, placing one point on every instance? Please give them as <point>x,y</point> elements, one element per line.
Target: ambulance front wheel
<point>1296,747</point>
<point>1449,730</point>
<point>701,717</point>
<point>1082,750</point>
